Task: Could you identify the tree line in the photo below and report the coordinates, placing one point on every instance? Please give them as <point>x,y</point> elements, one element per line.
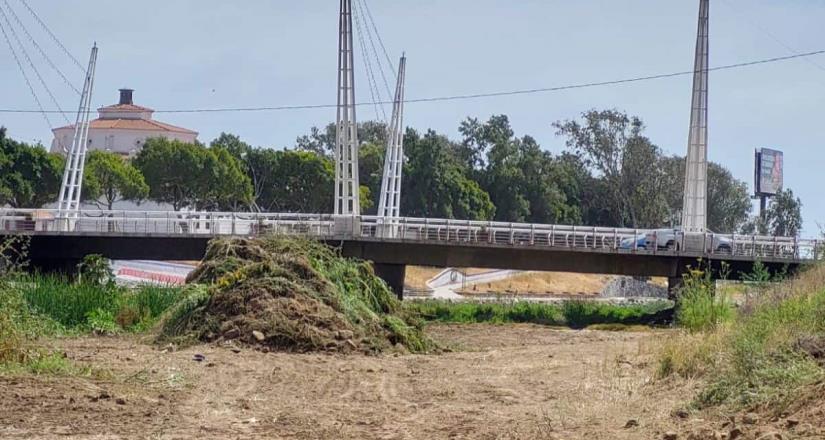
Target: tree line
<point>609,174</point>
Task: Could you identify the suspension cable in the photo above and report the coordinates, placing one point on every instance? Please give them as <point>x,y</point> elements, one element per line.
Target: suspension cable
<point>380,40</point>
<point>375,52</point>
<point>54,37</point>
<point>25,76</point>
<point>31,63</point>
<point>373,84</point>
<point>39,49</point>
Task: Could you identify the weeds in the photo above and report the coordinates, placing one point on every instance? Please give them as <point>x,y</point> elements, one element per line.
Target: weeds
<point>87,306</point>
<point>575,314</point>
<point>762,356</point>
<point>701,307</point>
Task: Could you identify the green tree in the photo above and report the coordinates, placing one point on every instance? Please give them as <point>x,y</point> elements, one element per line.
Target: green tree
<point>370,174</point>
<point>301,181</point>
<point>193,176</point>
<point>524,182</point>
<point>30,176</point>
<point>784,214</point>
<point>109,178</point>
<point>435,184</point>
<point>611,145</point>
<point>729,204</point>
<point>322,142</point>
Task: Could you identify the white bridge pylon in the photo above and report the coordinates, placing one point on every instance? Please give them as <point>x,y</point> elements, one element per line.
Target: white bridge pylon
<point>389,204</point>
<point>347,197</point>
<point>68,204</point>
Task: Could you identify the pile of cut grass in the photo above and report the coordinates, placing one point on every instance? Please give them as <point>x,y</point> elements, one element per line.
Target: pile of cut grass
<point>291,295</point>
<point>767,355</point>
<point>574,314</point>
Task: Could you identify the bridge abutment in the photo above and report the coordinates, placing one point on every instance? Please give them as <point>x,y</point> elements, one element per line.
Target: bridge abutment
<point>393,275</point>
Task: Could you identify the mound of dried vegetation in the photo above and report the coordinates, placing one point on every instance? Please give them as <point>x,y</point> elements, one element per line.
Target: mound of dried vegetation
<point>291,295</point>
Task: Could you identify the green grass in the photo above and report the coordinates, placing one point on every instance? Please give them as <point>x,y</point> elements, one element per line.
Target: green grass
<point>575,314</point>
<point>95,307</point>
<point>701,306</point>
<point>759,356</point>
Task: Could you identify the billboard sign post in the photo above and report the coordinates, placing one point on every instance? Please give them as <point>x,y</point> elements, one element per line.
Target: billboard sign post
<point>768,176</point>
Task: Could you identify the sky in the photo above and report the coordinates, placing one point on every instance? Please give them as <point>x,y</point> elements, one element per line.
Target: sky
<point>183,54</point>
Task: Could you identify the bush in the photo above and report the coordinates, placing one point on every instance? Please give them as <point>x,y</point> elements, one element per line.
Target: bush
<point>700,306</point>
<point>764,355</point>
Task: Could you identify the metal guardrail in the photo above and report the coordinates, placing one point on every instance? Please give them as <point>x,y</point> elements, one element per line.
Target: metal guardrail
<point>405,229</point>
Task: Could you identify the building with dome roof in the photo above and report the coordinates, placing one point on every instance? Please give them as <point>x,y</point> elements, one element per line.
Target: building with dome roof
<point>122,128</point>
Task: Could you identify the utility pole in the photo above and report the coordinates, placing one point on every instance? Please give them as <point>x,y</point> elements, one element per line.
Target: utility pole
<point>694,214</point>
<point>68,204</point>
<point>390,198</point>
<point>347,199</point>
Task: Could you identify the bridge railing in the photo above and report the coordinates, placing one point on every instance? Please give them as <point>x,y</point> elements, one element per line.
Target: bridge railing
<point>448,231</point>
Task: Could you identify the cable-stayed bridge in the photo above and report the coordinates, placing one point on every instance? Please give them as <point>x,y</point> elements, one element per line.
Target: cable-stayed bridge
<point>392,245</point>
<point>63,236</point>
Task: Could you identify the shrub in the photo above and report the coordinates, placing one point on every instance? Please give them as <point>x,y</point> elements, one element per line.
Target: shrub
<point>700,306</point>
<point>762,357</point>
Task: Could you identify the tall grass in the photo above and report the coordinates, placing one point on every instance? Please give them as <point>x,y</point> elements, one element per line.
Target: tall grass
<point>762,356</point>
<point>701,307</point>
<point>93,306</point>
<point>575,314</point>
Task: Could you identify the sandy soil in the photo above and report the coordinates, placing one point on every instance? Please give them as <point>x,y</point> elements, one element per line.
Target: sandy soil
<point>539,283</point>
<point>508,382</point>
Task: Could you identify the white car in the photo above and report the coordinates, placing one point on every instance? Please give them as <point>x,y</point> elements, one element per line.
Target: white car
<point>677,240</point>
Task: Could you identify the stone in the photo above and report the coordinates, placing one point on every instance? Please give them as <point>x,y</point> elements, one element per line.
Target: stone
<point>258,335</point>
<point>120,401</point>
<point>771,436</point>
<point>670,435</point>
<point>750,419</point>
<point>232,333</point>
<point>735,433</point>
<point>632,423</point>
<point>791,422</point>
<point>681,413</point>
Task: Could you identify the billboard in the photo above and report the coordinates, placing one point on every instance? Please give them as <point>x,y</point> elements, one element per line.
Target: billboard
<point>768,172</point>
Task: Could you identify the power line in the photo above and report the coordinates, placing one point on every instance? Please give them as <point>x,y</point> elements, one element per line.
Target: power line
<point>39,49</point>
<point>54,37</point>
<point>482,95</point>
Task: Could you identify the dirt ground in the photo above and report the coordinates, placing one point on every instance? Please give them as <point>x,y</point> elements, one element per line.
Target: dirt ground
<point>508,382</point>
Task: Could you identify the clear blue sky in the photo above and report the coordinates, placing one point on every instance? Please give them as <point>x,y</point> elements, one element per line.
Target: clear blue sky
<point>211,53</point>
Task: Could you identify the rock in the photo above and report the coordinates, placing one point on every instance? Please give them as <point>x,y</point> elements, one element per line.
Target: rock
<point>258,335</point>
<point>735,433</point>
<point>632,423</point>
<point>120,401</point>
<point>198,358</point>
<point>771,436</point>
<point>352,344</point>
<point>681,413</point>
<point>670,435</point>
<point>232,333</point>
<point>345,334</point>
<point>750,419</point>
<point>791,422</point>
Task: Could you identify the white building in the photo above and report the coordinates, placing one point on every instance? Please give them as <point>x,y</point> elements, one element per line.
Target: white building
<point>122,128</point>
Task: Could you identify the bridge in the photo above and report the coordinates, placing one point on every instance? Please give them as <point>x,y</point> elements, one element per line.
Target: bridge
<point>58,243</point>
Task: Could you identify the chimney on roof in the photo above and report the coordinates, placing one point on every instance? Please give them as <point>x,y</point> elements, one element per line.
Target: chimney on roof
<point>126,97</point>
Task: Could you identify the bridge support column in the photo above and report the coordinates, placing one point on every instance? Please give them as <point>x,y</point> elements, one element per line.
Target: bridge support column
<point>393,275</point>
<point>674,284</point>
